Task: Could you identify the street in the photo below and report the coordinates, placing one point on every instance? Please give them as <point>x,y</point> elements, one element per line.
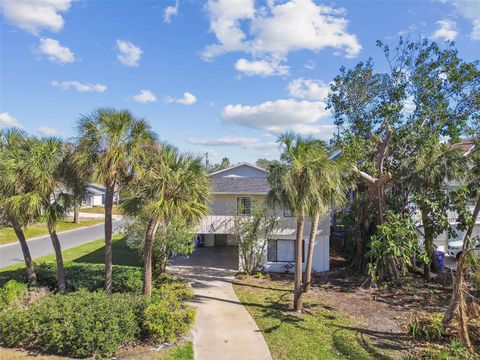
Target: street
<point>11,254</point>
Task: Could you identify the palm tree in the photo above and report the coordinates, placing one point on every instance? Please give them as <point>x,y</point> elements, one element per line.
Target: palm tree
<point>174,185</point>
<point>294,183</point>
<point>111,144</point>
<point>14,203</point>
<point>331,191</point>
<point>43,174</point>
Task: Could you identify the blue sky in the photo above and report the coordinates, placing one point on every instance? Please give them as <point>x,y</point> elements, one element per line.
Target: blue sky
<point>219,76</point>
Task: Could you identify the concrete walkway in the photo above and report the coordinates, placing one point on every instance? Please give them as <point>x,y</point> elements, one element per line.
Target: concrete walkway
<point>224,330</point>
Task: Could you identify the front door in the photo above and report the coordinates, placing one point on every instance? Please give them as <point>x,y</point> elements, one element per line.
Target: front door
<point>220,240</point>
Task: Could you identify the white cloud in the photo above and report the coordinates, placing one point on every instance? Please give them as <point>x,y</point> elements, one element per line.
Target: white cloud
<point>81,87</point>
<point>470,10</point>
<point>7,120</point>
<point>186,99</point>
<point>129,54</point>
<point>310,65</point>
<point>145,96</point>
<point>244,142</point>
<point>170,11</point>
<point>280,115</point>
<point>308,89</point>
<point>55,52</point>
<point>47,131</point>
<point>409,105</point>
<point>447,30</point>
<point>261,67</point>
<point>278,28</point>
<point>35,15</point>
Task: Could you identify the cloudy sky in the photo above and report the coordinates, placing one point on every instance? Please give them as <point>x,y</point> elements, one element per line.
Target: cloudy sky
<point>219,76</point>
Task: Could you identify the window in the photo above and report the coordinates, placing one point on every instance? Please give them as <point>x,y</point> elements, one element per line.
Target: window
<point>287,212</point>
<point>244,206</point>
<point>283,250</point>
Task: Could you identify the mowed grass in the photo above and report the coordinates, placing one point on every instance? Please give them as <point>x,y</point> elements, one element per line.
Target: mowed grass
<point>93,253</point>
<point>181,352</point>
<point>320,333</point>
<point>7,235</point>
<point>101,210</point>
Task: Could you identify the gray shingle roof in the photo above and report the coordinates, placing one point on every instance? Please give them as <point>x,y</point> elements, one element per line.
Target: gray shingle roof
<point>240,185</point>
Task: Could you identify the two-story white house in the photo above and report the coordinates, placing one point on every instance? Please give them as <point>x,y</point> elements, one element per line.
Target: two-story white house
<point>235,191</point>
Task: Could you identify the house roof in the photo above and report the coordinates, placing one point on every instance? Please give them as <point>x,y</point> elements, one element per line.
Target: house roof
<point>239,165</point>
<point>240,185</point>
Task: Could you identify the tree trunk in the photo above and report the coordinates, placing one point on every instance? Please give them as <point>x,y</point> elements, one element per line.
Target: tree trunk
<point>76,214</point>
<point>59,258</point>
<point>458,304</point>
<point>311,248</point>
<point>429,248</point>
<point>147,257</point>
<point>31,275</point>
<point>108,236</point>
<point>297,291</point>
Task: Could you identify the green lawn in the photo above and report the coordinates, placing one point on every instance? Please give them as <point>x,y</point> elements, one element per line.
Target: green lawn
<point>181,352</point>
<point>93,253</point>
<point>320,333</point>
<point>101,210</point>
<point>7,235</point>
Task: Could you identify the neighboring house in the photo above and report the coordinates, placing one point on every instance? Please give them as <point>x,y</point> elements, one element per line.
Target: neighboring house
<point>235,191</point>
<point>441,241</point>
<point>96,196</point>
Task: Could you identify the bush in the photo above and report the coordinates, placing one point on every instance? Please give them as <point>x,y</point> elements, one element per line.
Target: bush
<point>425,326</point>
<point>126,279</point>
<point>166,320</point>
<point>79,324</point>
<point>10,292</point>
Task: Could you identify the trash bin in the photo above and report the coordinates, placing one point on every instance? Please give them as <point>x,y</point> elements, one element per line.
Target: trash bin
<point>440,255</point>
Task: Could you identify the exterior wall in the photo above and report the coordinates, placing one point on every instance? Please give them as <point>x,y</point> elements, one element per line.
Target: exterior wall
<point>97,200</point>
<point>244,171</point>
<point>209,239</point>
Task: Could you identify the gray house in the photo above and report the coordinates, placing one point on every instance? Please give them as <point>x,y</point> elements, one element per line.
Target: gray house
<point>235,191</point>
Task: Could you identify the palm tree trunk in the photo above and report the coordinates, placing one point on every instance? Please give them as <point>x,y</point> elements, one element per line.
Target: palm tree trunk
<point>297,291</point>
<point>76,214</point>
<point>147,257</point>
<point>58,257</point>
<point>458,304</point>
<point>31,275</point>
<point>311,248</point>
<point>109,189</point>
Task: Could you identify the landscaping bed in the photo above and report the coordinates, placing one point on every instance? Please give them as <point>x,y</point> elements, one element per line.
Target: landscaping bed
<point>86,321</point>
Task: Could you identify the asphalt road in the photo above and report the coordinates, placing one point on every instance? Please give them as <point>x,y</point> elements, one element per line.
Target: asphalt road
<point>11,254</point>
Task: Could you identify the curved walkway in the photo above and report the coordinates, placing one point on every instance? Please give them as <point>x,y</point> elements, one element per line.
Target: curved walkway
<point>224,330</point>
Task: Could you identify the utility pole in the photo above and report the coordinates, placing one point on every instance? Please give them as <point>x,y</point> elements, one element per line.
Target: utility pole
<point>206,160</point>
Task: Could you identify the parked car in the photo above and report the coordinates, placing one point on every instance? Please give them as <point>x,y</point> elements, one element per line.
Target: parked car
<point>455,249</point>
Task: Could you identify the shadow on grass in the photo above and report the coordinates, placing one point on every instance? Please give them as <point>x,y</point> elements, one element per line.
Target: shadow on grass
<point>347,341</point>
<point>122,255</point>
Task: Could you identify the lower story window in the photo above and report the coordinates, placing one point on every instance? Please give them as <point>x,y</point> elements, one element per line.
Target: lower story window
<point>280,250</point>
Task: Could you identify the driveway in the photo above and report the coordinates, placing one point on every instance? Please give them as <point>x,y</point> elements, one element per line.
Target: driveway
<point>11,254</point>
<point>224,330</point>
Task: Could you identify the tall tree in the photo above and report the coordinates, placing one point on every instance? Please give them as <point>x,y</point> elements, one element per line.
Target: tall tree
<point>332,187</point>
<point>43,175</point>
<point>14,198</point>
<point>173,186</point>
<point>294,183</point>
<point>111,145</point>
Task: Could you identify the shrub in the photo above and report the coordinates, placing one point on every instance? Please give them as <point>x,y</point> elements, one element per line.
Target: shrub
<point>126,279</point>
<point>166,320</point>
<point>425,326</point>
<point>78,324</point>
<point>10,292</point>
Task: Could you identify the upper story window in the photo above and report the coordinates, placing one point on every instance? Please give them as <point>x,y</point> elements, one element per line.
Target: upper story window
<point>244,205</point>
